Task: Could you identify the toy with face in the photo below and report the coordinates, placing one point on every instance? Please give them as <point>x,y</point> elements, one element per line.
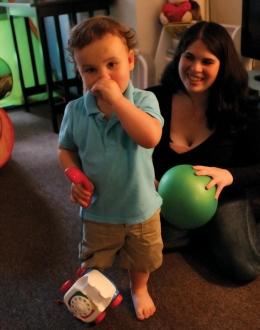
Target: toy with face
<point>90,295</point>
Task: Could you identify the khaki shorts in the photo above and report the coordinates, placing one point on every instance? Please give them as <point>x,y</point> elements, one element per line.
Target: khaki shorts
<point>139,246</point>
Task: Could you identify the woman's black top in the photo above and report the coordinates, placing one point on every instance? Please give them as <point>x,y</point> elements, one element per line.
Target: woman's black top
<point>239,153</point>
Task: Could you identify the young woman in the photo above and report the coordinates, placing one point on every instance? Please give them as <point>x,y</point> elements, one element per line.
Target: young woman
<point>210,124</point>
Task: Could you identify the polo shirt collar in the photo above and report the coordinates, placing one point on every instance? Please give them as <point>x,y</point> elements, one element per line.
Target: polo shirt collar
<point>90,103</point>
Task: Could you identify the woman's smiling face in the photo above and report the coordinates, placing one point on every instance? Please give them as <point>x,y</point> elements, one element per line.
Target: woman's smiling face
<point>198,68</point>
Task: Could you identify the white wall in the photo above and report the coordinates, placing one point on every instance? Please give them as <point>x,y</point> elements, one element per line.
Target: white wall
<point>231,15</point>
<point>143,16</point>
<point>226,11</point>
<point>125,11</point>
<point>230,12</point>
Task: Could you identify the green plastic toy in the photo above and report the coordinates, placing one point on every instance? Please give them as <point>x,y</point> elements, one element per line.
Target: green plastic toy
<point>187,204</point>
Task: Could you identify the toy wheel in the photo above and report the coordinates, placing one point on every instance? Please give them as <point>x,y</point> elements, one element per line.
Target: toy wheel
<point>66,286</point>
<point>116,301</point>
<point>100,317</point>
<point>6,137</point>
<point>80,271</point>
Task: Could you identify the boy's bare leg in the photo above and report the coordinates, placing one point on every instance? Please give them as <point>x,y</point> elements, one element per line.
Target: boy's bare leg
<point>143,303</point>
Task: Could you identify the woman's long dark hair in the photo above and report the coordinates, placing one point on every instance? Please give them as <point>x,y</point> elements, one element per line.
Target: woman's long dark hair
<point>228,93</point>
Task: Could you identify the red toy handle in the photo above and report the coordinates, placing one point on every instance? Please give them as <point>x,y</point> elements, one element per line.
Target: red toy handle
<point>78,177</point>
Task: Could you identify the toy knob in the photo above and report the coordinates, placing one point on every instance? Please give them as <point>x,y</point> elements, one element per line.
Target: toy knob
<point>66,286</point>
<point>78,177</point>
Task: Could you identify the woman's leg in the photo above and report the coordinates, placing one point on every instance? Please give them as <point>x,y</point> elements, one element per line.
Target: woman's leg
<point>233,238</point>
<point>173,238</point>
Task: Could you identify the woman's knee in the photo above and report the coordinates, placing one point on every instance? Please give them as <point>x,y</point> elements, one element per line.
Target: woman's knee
<point>233,240</point>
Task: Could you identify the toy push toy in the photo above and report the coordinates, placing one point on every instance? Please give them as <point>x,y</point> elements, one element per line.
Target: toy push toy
<point>90,295</point>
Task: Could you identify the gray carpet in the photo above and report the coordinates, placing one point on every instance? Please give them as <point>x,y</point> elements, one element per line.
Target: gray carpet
<point>39,234</point>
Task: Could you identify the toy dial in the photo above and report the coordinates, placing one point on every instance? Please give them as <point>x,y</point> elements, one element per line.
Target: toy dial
<point>81,306</point>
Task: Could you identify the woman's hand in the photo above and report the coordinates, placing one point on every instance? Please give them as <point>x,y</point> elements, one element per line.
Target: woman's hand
<point>219,177</point>
<point>80,195</point>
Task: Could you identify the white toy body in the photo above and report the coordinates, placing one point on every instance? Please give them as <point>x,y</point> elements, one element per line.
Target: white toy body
<point>90,295</point>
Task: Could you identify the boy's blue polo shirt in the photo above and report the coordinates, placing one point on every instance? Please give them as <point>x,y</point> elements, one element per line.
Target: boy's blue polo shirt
<point>121,171</point>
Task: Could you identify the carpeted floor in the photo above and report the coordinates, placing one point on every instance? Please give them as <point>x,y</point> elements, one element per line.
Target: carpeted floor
<point>39,233</point>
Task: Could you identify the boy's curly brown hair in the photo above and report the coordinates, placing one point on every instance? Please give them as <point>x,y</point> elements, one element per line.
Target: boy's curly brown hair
<point>95,28</point>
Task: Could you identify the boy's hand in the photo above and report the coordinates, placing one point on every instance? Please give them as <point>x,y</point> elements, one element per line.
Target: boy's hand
<point>107,89</point>
<point>80,195</point>
<point>220,177</point>
<point>82,188</point>
<point>107,93</point>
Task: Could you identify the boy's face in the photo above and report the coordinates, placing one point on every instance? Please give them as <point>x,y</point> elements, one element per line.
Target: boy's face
<point>105,58</point>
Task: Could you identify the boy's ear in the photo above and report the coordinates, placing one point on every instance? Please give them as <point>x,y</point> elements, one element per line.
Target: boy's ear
<point>131,59</point>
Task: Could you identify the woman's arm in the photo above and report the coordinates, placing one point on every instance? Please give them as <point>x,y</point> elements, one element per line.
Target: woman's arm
<point>246,156</point>
<point>244,166</point>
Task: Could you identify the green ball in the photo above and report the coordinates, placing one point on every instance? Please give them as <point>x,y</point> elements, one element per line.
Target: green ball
<point>187,204</point>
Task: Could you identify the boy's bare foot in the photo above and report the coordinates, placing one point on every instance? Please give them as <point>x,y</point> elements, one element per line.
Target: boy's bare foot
<point>143,303</point>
